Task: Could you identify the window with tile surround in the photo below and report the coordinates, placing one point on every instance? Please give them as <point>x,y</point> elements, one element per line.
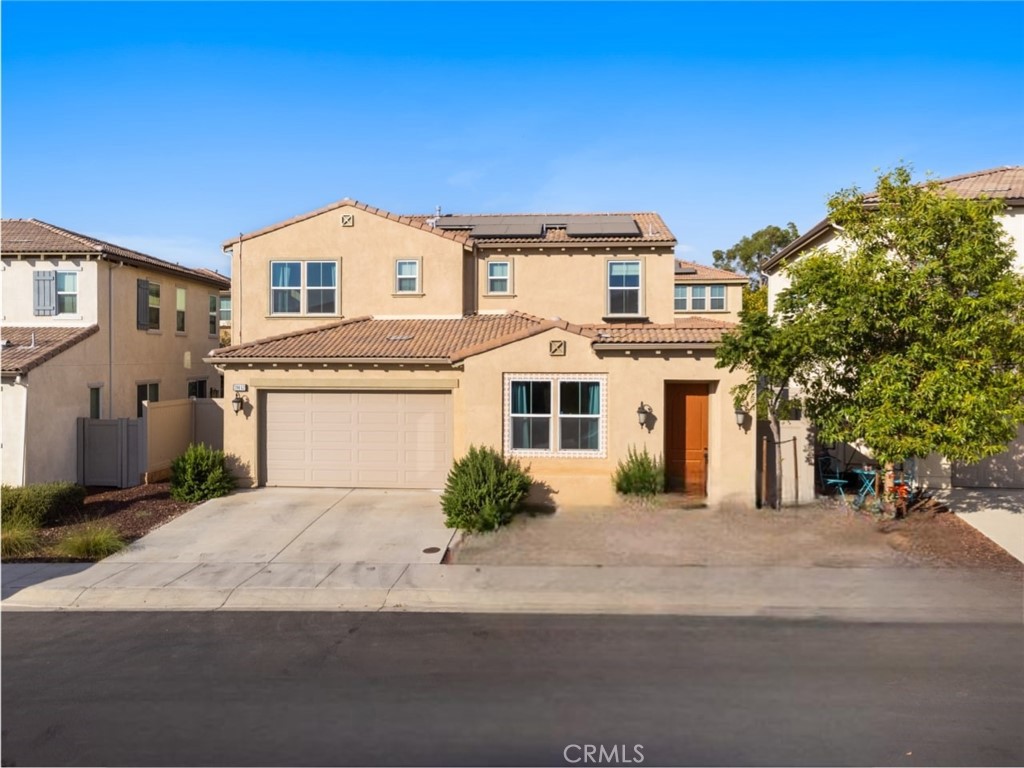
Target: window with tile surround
<point>303,288</point>
<point>555,415</point>
<point>499,277</point>
<point>407,276</point>
<point>623,287</point>
<point>699,298</point>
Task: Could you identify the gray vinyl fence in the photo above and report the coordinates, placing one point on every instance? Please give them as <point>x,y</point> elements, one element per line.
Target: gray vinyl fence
<point>108,452</point>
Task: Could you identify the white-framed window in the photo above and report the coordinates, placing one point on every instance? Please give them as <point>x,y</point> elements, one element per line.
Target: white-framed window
<point>67,293</point>
<point>499,277</point>
<point>556,415</point>
<point>700,298</point>
<point>180,295</point>
<point>303,287</point>
<point>154,306</point>
<point>213,310</point>
<point>225,310</point>
<point>624,288</point>
<point>718,297</point>
<point>407,276</point>
<point>147,391</point>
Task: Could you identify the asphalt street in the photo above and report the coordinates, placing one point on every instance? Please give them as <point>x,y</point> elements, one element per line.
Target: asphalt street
<point>455,689</point>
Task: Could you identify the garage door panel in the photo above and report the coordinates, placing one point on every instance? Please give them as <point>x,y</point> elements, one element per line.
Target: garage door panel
<point>357,439</point>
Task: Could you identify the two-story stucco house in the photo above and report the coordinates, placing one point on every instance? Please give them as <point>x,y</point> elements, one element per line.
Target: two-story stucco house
<point>91,329</point>
<point>371,349</point>
<point>1005,470</point>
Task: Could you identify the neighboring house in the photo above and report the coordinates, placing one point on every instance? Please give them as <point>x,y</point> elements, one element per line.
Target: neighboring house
<point>91,329</point>
<point>372,349</point>
<point>1005,470</point>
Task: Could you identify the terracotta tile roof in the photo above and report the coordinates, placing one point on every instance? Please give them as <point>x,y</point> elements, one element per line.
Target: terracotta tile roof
<point>417,222</point>
<point>26,347</point>
<point>35,237</point>
<point>688,270</point>
<point>692,330</point>
<point>436,339</point>
<point>651,226</point>
<point>1006,182</point>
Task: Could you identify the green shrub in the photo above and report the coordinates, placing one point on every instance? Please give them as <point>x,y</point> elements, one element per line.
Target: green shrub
<point>42,503</point>
<point>640,474</point>
<point>18,537</point>
<point>200,474</point>
<point>93,542</point>
<point>484,490</point>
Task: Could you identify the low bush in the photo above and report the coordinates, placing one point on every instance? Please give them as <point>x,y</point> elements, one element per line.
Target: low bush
<point>42,503</point>
<point>93,542</point>
<point>199,474</point>
<point>484,490</point>
<point>640,474</point>
<point>18,537</point>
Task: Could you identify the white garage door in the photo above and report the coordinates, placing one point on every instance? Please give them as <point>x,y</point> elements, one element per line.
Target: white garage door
<point>357,439</point>
<point>1004,470</point>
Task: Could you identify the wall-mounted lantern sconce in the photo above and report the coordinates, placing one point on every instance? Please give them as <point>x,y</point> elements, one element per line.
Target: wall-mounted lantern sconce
<point>741,417</point>
<point>643,413</point>
<point>238,402</point>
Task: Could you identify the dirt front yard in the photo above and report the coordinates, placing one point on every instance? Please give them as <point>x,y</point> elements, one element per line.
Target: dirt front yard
<point>665,535</point>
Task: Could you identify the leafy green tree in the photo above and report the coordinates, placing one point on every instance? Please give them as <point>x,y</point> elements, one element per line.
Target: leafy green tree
<point>771,353</point>
<point>912,331</point>
<point>750,252</point>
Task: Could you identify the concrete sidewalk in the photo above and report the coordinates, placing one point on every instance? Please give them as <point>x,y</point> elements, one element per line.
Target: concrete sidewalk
<point>852,594</point>
<point>997,514</point>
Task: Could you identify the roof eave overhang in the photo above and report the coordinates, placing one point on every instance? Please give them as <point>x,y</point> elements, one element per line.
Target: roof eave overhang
<point>184,273</point>
<point>326,361</point>
<point>571,243</point>
<point>604,346</point>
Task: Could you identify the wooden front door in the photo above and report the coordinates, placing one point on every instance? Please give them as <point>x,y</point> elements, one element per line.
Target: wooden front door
<point>686,437</point>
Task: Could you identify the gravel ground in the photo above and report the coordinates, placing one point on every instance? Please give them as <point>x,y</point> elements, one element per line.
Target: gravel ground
<point>667,535</point>
<point>131,512</point>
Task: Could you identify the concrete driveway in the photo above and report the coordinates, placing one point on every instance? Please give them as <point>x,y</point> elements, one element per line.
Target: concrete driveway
<point>301,525</point>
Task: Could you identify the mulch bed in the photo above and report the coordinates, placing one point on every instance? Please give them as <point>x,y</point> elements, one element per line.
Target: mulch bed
<point>930,533</point>
<point>131,512</point>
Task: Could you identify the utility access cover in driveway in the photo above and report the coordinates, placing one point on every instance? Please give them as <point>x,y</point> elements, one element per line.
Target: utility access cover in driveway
<point>302,525</point>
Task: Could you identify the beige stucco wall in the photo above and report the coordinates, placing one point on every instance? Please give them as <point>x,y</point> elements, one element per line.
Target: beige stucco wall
<point>572,282</point>
<point>13,401</point>
<point>630,380</point>
<point>478,407</point>
<point>366,252</point>
<point>16,289</point>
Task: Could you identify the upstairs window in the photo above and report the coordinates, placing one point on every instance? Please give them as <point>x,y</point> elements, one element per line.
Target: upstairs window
<point>154,306</point>
<point>213,316</point>
<point>623,287</point>
<point>225,310</point>
<point>54,293</point>
<point>407,276</point>
<point>179,310</point>
<point>680,298</point>
<point>301,287</point>
<point>499,277</point>
<point>67,293</point>
<point>700,298</point>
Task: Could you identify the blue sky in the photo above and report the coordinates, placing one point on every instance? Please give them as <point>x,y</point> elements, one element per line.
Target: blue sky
<point>170,127</point>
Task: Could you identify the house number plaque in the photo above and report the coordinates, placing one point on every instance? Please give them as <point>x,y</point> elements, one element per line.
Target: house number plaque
<point>556,348</point>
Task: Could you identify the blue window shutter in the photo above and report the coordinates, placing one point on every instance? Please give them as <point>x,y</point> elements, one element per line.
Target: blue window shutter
<point>142,305</point>
<point>44,294</point>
